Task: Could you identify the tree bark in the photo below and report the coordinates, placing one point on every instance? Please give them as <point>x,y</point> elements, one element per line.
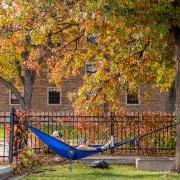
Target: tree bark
<point>177,46</point>
<point>25,102</point>
<point>29,77</point>
<point>10,86</point>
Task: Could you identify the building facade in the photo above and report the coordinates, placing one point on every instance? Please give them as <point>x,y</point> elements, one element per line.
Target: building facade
<point>47,98</point>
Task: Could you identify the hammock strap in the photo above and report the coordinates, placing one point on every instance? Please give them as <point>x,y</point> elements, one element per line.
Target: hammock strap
<point>136,139</point>
<point>157,130</point>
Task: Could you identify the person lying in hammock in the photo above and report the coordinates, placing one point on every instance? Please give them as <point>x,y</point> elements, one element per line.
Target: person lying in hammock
<point>57,134</point>
<point>83,146</point>
<point>109,145</point>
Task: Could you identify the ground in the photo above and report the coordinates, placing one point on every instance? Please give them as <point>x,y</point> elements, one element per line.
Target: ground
<point>115,172</point>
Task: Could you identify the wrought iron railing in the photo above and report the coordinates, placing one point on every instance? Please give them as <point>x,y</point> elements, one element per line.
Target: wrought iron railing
<point>96,129</point>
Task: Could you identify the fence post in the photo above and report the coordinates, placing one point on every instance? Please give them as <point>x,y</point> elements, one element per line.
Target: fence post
<point>11,135</point>
<point>112,117</point>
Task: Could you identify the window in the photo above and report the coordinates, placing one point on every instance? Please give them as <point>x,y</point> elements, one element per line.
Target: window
<point>54,96</point>
<point>92,39</point>
<point>132,99</point>
<point>13,99</point>
<point>90,68</point>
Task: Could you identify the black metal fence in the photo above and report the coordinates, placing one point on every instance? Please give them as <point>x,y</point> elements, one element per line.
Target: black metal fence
<point>98,129</point>
<point>76,129</point>
<point>4,135</point>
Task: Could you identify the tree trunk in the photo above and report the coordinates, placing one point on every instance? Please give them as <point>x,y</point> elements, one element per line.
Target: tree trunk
<point>10,86</point>
<point>29,77</point>
<point>177,45</point>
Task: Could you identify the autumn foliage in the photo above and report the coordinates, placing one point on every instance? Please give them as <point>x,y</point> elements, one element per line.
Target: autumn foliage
<point>97,129</point>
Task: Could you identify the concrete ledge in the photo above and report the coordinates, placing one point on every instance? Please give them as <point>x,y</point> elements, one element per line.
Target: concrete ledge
<point>111,159</point>
<point>155,164</point>
<point>5,172</point>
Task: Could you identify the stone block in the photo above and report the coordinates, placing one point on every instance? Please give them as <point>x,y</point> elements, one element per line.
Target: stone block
<point>155,164</point>
<point>5,172</point>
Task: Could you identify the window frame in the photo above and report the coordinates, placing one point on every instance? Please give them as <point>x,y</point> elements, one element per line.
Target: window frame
<point>138,97</point>
<point>60,101</point>
<point>89,63</point>
<point>94,36</point>
<point>10,98</point>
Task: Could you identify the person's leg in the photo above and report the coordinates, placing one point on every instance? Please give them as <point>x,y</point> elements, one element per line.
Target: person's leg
<point>109,145</point>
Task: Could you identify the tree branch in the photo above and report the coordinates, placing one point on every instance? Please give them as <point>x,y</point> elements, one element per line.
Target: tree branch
<point>141,53</point>
<point>101,87</point>
<point>9,85</point>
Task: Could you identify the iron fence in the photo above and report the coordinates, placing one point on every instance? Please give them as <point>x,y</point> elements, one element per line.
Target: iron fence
<point>4,135</point>
<point>98,129</point>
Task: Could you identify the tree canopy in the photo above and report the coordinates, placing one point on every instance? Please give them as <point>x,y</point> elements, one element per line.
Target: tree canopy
<point>36,36</point>
<point>134,45</point>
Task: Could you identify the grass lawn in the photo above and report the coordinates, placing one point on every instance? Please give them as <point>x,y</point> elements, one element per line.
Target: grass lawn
<point>1,133</point>
<point>81,172</point>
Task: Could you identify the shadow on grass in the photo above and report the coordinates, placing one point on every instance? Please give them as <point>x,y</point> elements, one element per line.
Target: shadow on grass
<point>97,175</point>
<point>114,173</point>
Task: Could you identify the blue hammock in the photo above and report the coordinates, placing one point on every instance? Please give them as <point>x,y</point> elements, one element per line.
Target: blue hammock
<point>68,151</point>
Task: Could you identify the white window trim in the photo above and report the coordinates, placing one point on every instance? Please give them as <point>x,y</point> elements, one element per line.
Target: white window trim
<point>138,99</point>
<point>88,63</point>
<point>10,92</point>
<point>60,103</point>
